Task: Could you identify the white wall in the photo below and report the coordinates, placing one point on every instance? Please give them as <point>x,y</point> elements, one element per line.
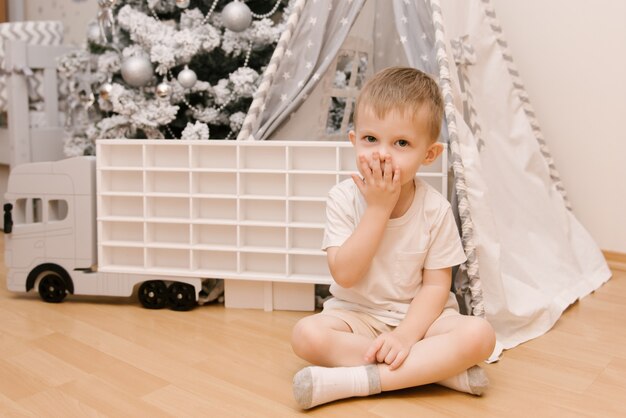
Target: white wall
<point>571,55</point>
<point>75,14</point>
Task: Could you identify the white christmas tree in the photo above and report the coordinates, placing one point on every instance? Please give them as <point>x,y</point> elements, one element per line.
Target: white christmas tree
<point>168,69</point>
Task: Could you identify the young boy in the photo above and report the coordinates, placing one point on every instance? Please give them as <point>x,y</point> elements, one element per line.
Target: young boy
<point>391,241</point>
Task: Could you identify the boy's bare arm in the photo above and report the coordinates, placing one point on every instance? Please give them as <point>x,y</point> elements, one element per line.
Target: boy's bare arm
<point>427,305</point>
<point>380,187</point>
<point>349,263</point>
<point>393,347</point>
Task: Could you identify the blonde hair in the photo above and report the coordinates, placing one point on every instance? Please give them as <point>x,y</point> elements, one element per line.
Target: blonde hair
<point>404,89</point>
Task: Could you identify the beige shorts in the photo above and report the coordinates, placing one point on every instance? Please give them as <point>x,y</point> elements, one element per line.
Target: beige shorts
<point>362,323</point>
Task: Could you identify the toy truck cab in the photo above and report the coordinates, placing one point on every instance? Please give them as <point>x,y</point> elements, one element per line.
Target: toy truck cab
<point>51,225</point>
<point>51,240</point>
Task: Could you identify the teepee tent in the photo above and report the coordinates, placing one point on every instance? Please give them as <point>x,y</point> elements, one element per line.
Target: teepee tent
<point>528,256</point>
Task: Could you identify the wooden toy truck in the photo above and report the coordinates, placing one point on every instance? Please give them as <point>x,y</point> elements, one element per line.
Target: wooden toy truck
<point>159,217</point>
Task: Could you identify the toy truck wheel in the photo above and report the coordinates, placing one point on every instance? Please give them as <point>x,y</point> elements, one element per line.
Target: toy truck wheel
<point>181,296</point>
<point>153,294</point>
<point>52,287</point>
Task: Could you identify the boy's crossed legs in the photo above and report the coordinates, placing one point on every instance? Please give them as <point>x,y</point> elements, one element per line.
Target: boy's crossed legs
<point>447,354</point>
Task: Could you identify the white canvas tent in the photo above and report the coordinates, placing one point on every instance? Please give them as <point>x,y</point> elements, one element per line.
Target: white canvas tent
<point>528,256</point>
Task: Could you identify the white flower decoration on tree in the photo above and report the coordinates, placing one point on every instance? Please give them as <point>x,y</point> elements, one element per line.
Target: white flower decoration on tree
<point>174,47</point>
<point>188,44</point>
<point>109,63</point>
<point>206,114</point>
<point>163,55</point>
<point>243,82</point>
<point>198,130</point>
<point>262,32</point>
<point>221,92</point>
<point>122,100</point>
<point>191,18</point>
<point>236,121</point>
<point>154,113</point>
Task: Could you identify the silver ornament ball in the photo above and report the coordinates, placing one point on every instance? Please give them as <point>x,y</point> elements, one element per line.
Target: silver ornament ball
<point>105,91</point>
<point>163,89</point>
<point>187,78</point>
<point>137,71</point>
<point>182,4</point>
<point>93,32</point>
<point>237,16</point>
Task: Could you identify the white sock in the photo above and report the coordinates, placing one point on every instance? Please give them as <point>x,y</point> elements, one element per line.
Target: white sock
<point>473,381</point>
<point>314,385</point>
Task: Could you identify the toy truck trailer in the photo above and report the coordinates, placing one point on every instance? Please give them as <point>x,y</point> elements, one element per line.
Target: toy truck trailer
<point>160,217</point>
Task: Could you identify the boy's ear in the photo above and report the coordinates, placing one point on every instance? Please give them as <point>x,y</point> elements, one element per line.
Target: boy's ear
<point>433,152</point>
<point>352,136</point>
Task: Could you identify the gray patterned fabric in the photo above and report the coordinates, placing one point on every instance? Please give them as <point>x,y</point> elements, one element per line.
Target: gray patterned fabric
<point>34,33</point>
<point>324,25</point>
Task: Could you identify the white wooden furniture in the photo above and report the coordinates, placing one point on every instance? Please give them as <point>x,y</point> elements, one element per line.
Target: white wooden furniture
<point>248,212</point>
<point>19,142</point>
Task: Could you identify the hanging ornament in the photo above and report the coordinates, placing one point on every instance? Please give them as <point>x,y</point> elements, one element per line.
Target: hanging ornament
<point>137,71</point>
<point>105,90</point>
<point>237,16</point>
<point>85,95</point>
<point>163,89</point>
<point>182,4</point>
<point>93,32</point>
<point>187,78</point>
<point>106,21</point>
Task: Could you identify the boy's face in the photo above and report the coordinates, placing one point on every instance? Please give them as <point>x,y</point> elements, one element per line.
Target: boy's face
<point>405,139</point>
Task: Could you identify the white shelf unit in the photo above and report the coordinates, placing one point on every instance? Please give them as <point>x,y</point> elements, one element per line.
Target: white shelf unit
<point>248,212</point>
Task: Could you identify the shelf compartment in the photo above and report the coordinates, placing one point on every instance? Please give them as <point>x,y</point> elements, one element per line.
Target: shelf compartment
<point>120,156</point>
<point>316,185</point>
<point>263,184</point>
<point>214,183</point>
<point>215,235</point>
<point>168,258</point>
<point>122,231</point>
<point>263,210</point>
<point>222,209</point>
<point>170,155</point>
<point>223,261</point>
<point>347,159</point>
<point>167,207</point>
<point>315,265</point>
<point>312,158</point>
<point>262,158</point>
<point>122,256</point>
<point>307,211</point>
<point>262,236</point>
<point>305,238</point>
<point>167,182</point>
<point>263,263</point>
<point>167,233</point>
<point>122,206</point>
<point>343,177</point>
<point>211,157</point>
<point>121,181</point>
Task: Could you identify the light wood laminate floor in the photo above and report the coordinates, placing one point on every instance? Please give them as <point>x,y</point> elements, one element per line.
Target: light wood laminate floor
<point>96,357</point>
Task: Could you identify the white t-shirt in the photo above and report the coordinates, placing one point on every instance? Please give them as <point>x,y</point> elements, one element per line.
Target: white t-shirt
<point>425,237</point>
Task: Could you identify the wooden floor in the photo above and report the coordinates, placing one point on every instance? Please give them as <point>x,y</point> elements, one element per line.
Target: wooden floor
<point>109,357</point>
